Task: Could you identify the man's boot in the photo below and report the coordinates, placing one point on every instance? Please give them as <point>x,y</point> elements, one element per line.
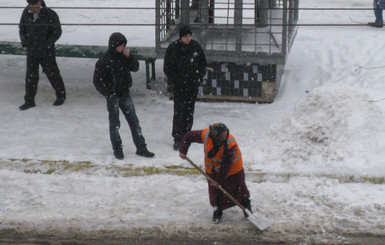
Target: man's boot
<point>27,105</point>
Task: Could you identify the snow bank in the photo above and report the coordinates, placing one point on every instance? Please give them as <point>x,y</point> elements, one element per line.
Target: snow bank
<point>336,129</point>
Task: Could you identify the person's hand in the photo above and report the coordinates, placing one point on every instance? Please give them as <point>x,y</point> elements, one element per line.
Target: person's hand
<point>183,156</point>
<point>215,184</point>
<point>126,52</point>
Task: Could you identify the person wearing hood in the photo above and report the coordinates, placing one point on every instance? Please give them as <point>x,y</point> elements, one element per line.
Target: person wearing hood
<point>223,163</point>
<point>39,29</point>
<point>112,78</point>
<point>185,66</point>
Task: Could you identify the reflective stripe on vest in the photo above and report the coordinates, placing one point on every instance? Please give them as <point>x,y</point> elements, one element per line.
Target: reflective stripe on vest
<point>205,137</point>
<point>216,161</point>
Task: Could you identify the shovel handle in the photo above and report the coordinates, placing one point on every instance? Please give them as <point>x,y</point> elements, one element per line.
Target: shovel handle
<point>215,184</point>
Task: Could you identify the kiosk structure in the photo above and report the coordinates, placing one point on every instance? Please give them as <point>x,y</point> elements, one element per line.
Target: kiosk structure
<point>246,43</point>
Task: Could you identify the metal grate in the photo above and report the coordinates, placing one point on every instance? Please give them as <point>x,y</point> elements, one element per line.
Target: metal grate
<point>237,28</point>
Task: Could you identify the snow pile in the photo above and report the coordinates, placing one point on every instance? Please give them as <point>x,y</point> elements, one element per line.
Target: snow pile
<point>321,133</point>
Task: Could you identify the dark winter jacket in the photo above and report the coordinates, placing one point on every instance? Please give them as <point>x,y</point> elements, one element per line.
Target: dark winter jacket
<point>39,37</point>
<point>185,65</point>
<point>113,71</point>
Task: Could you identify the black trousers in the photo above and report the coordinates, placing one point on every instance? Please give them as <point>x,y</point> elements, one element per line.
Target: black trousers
<point>52,72</point>
<point>184,107</point>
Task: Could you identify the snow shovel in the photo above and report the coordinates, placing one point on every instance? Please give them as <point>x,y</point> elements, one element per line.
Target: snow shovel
<point>258,219</point>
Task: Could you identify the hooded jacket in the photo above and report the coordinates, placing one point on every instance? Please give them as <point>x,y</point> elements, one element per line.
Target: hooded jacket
<point>113,71</point>
<point>39,36</point>
<point>185,64</point>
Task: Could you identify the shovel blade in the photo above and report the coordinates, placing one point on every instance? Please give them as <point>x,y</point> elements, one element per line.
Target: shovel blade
<point>258,219</point>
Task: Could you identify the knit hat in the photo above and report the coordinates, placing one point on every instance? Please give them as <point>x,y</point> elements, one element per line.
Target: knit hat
<point>33,1</point>
<point>116,39</point>
<point>184,30</point>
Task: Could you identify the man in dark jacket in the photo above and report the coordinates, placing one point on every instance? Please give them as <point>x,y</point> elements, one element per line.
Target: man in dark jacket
<point>39,29</point>
<point>112,78</point>
<point>185,67</point>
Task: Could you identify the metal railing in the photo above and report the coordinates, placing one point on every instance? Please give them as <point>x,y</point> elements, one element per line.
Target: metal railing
<point>239,30</point>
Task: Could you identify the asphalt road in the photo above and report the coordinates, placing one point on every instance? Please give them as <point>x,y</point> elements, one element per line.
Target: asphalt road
<point>201,238</point>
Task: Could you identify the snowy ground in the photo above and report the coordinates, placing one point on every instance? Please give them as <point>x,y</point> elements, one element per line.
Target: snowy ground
<point>314,158</point>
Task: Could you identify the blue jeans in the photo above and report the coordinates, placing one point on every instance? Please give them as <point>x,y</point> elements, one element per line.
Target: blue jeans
<point>126,104</point>
<point>378,6</point>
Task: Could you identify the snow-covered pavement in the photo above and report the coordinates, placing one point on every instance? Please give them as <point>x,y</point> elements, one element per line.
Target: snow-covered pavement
<point>314,158</point>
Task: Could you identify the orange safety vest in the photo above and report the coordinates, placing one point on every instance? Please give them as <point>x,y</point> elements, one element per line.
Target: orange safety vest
<point>216,161</point>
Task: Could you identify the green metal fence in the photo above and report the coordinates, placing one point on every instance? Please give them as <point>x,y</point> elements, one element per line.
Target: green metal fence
<point>146,54</point>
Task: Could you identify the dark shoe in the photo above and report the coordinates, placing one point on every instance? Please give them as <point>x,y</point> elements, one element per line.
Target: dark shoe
<point>144,153</point>
<point>217,215</point>
<point>26,106</point>
<point>376,24</point>
<point>59,101</point>
<point>119,154</point>
<point>176,145</point>
<point>247,204</point>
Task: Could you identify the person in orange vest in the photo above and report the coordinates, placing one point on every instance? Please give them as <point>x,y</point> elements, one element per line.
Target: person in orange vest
<point>223,163</point>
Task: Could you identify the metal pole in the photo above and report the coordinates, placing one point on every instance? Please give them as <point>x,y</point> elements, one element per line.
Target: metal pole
<point>263,10</point>
<point>211,11</point>
<point>157,25</point>
<point>256,12</point>
<point>168,14</point>
<point>238,15</point>
<point>204,11</point>
<point>177,9</point>
<point>185,19</point>
<point>284,28</point>
<point>204,15</point>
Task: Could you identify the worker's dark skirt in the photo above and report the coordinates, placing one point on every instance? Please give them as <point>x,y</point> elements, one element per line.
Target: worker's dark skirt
<point>235,185</point>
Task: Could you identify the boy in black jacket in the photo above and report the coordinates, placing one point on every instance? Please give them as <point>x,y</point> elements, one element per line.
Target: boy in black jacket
<point>112,78</point>
<point>185,66</point>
